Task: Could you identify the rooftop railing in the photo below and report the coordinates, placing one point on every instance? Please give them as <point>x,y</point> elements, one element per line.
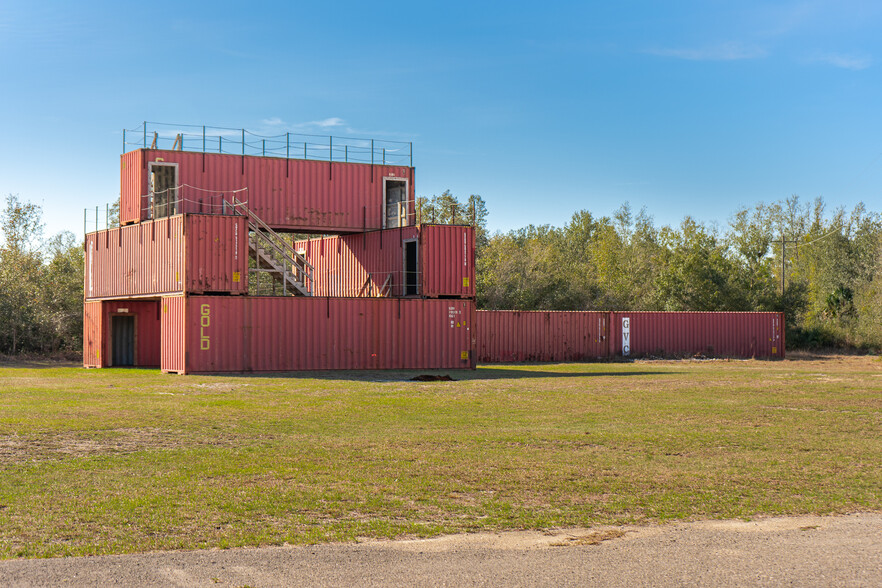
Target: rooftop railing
<point>205,139</point>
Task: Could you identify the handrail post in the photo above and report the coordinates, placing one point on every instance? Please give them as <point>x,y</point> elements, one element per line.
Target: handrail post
<point>145,134</point>
<point>124,141</point>
<point>203,140</point>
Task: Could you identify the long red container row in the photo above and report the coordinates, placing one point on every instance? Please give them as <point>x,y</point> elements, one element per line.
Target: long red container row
<point>184,253</point>
<point>521,336</point>
<point>288,194</point>
<point>97,331</point>
<point>235,334</point>
<point>361,265</point>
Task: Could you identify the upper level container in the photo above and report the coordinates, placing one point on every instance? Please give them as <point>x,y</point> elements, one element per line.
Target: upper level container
<point>288,194</point>
<point>179,254</point>
<point>430,261</point>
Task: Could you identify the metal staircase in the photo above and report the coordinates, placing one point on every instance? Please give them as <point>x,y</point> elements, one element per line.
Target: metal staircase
<point>274,255</point>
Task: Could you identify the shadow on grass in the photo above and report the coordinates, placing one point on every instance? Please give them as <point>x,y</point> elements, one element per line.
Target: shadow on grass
<point>455,375</point>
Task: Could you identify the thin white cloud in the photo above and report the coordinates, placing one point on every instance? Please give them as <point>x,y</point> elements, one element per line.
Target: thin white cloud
<point>273,122</point>
<point>843,61</point>
<point>328,122</point>
<point>721,52</point>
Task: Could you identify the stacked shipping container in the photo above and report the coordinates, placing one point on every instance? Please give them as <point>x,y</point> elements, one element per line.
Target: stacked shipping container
<point>376,263</point>
<point>287,194</point>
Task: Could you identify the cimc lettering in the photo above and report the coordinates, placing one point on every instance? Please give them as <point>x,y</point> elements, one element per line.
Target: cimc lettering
<point>204,323</point>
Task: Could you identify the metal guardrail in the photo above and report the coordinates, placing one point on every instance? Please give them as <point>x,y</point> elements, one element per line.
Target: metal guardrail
<point>205,139</point>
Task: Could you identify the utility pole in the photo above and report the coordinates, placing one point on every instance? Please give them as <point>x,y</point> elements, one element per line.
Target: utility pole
<point>784,243</point>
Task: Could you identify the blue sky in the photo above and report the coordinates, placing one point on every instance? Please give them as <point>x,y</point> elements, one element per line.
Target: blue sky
<point>684,107</point>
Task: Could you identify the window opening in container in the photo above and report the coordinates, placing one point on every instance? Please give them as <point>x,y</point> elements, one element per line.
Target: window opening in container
<point>163,189</point>
<point>411,269</point>
<point>395,193</point>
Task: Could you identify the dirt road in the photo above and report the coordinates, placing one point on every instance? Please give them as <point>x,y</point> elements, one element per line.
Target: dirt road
<point>793,551</point>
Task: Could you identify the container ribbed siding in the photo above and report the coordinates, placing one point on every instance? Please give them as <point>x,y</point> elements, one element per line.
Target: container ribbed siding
<point>506,336</point>
<point>173,329</point>
<point>345,263</point>
<point>235,334</point>
<point>184,253</point>
<point>513,336</point>
<point>714,334</point>
<point>92,334</point>
<point>287,194</point>
<point>98,331</point>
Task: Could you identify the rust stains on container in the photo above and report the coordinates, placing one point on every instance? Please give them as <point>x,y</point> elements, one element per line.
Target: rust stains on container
<point>223,334</point>
<point>287,194</point>
<point>184,253</point>
<point>518,336</point>
<point>713,334</point>
<point>432,261</point>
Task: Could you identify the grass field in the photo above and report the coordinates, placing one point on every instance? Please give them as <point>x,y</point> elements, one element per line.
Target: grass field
<point>113,461</point>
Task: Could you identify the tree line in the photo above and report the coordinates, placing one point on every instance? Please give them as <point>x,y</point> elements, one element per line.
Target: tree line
<point>822,268</point>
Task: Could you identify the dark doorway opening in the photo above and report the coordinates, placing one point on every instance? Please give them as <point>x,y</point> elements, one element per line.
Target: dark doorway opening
<point>122,340</point>
<point>396,203</point>
<point>163,183</point>
<point>411,269</point>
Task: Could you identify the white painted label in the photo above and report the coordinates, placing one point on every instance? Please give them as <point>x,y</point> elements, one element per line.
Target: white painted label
<point>626,336</point>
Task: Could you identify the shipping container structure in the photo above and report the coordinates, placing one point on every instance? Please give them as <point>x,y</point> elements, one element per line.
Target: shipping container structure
<point>211,334</point>
<point>523,336</point>
<point>287,194</point>
<point>178,254</point>
<point>431,261</point>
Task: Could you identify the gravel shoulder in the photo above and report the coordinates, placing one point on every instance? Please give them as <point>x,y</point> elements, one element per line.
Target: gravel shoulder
<point>800,551</point>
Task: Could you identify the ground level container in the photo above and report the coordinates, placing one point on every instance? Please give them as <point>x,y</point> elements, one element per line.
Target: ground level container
<point>121,333</point>
<point>514,336</point>
<point>198,334</point>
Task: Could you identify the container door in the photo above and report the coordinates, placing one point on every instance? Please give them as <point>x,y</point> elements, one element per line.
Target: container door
<point>163,189</point>
<point>411,269</point>
<point>396,203</point>
<point>122,339</point>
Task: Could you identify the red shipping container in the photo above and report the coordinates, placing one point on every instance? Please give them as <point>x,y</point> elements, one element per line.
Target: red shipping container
<point>429,260</point>
<point>236,334</point>
<point>135,321</point>
<point>287,194</point>
<point>184,253</point>
<point>517,336</point>
<point>714,334</point>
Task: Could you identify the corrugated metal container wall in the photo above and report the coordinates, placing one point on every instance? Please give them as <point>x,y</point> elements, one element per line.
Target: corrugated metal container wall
<point>217,253</point>
<point>132,187</point>
<point>280,334</point>
<point>447,261</point>
<point>718,334</point>
<point>148,258</point>
<point>93,330</point>
<point>343,264</point>
<point>294,194</point>
<point>173,355</point>
<point>147,329</point>
<point>515,336</point>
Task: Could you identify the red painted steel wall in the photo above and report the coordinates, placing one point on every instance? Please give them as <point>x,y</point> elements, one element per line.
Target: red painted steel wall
<point>93,338</point>
<point>97,327</point>
<point>515,336</point>
<point>718,334</point>
<point>447,261</point>
<point>343,264</point>
<point>281,334</point>
<point>173,352</point>
<point>294,194</point>
<point>193,253</point>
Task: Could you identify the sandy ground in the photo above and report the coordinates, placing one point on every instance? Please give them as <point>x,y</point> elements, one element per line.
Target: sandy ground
<point>791,551</point>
